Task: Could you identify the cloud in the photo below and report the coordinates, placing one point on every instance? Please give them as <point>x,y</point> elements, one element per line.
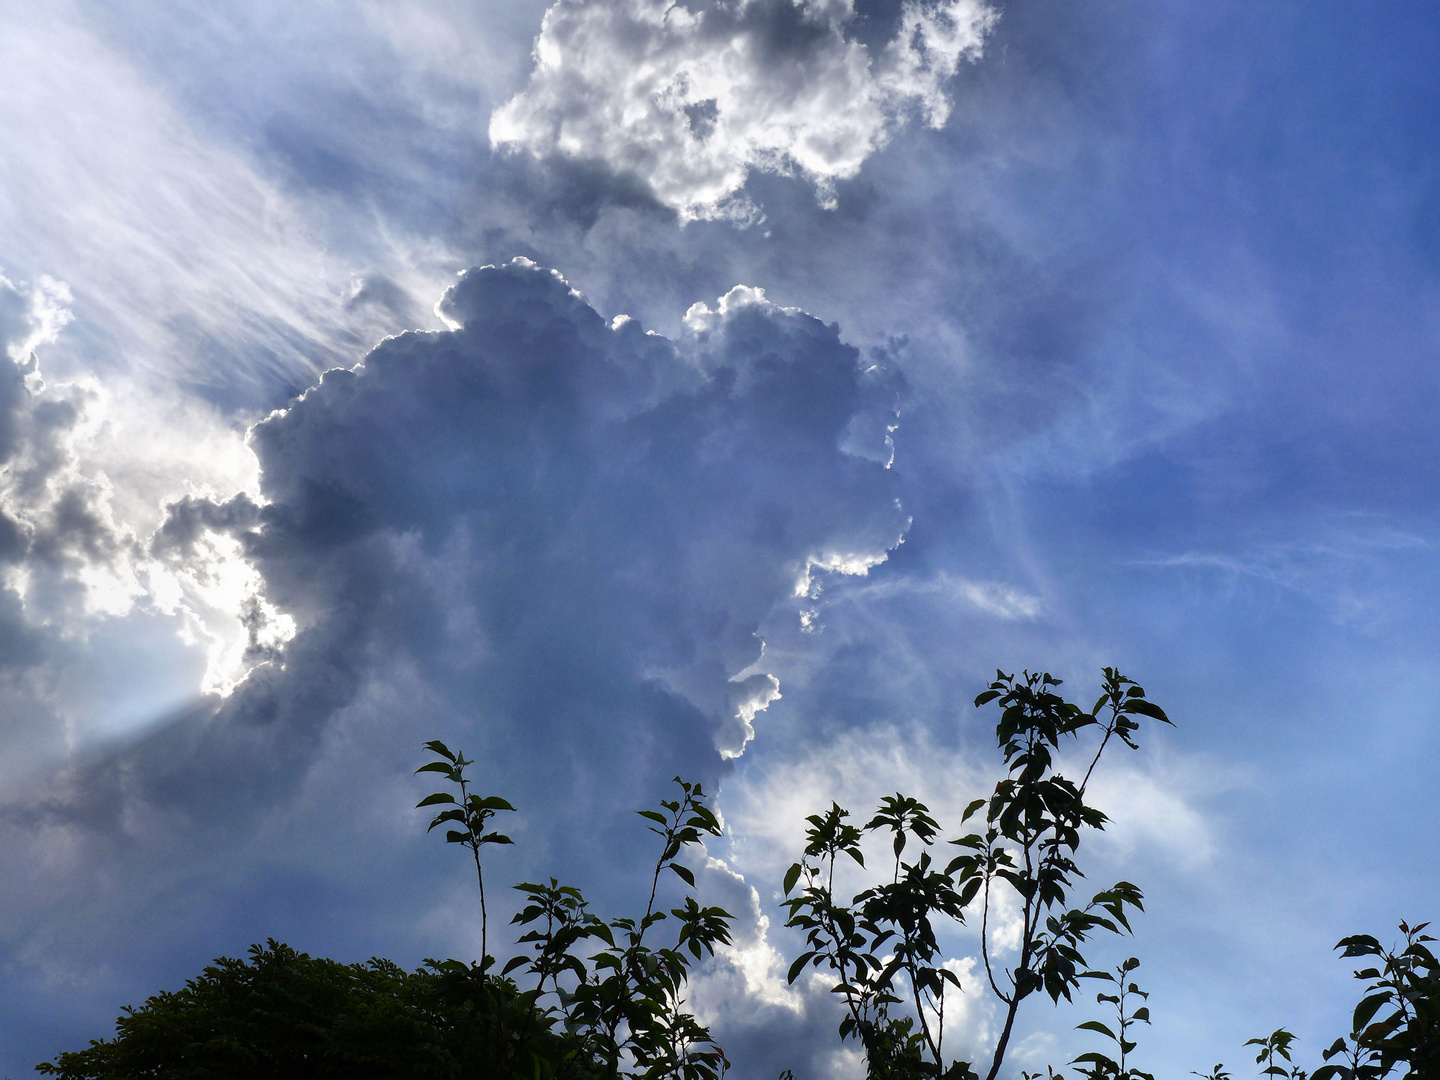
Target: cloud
<point>64,549</point>
<point>997,598</point>
<point>575,499</point>
<point>692,101</point>
<point>547,537</point>
<point>1357,568</point>
<point>1161,809</point>
<point>188,261</point>
<point>97,635</point>
<point>541,534</point>
<point>767,803</point>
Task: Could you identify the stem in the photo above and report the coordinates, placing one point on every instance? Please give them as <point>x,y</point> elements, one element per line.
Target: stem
<point>985,934</point>
<point>654,884</point>
<point>1120,1008</point>
<point>1030,921</point>
<point>637,935</point>
<point>474,846</point>
<point>1004,1040</point>
<point>837,956</point>
<point>484,919</point>
<point>920,1011</point>
<point>1109,730</point>
<point>685,805</point>
<point>940,1026</point>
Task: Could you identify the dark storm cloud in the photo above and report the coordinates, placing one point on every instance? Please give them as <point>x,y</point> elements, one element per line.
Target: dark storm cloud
<point>595,507</point>
<point>546,536</point>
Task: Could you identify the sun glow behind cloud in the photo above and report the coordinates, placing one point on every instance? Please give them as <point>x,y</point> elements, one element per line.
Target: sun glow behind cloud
<point>220,597</point>
<point>80,466</point>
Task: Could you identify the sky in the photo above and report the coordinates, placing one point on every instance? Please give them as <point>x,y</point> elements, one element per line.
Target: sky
<point>618,390</point>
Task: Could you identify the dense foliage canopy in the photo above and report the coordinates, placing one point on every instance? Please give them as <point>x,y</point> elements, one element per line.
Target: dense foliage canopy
<point>283,1014</point>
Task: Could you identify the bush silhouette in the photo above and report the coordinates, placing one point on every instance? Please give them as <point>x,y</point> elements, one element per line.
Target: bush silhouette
<point>283,1014</point>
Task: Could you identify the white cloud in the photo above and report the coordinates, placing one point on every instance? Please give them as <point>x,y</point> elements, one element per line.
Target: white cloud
<point>172,264</point>
<point>753,956</point>
<point>68,555</point>
<point>32,317</point>
<point>997,598</point>
<point>1159,809</point>
<point>84,468</point>
<point>220,598</point>
<point>766,804</point>
<point>691,101</point>
<point>969,1010</point>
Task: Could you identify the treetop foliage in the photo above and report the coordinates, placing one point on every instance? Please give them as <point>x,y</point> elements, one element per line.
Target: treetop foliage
<point>286,1015</point>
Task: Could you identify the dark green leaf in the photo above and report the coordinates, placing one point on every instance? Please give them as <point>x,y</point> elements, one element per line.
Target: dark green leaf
<point>799,966</point>
<point>1367,1008</point>
<point>435,746</point>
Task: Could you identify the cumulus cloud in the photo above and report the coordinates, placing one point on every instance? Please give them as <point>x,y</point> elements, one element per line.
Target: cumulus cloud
<point>547,536</point>
<point>65,551</point>
<point>576,499</point>
<point>690,100</point>
<point>74,566</point>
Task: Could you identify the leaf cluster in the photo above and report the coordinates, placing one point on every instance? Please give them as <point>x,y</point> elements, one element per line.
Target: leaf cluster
<point>883,942</point>
<point>626,999</point>
<point>1397,1021</point>
<point>882,945</point>
<point>470,814</point>
<point>616,994</point>
<point>1098,1065</point>
<point>1275,1048</point>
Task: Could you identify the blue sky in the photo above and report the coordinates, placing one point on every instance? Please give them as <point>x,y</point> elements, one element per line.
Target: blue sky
<point>1123,316</point>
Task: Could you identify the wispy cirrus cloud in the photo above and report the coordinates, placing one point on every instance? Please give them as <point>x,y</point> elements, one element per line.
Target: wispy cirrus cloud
<point>185,259</point>
<point>1351,567</point>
